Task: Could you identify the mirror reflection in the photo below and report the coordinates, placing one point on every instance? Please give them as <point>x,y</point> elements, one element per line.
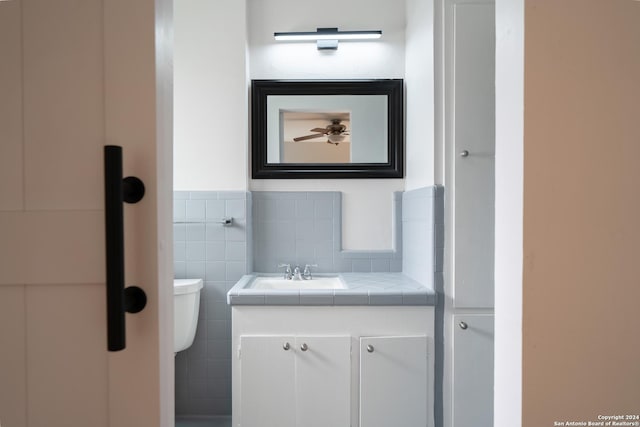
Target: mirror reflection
<point>327,129</point>
<point>327,139</point>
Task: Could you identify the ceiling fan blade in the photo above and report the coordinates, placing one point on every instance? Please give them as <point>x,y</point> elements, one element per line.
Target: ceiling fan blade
<point>304,138</point>
<point>323,130</point>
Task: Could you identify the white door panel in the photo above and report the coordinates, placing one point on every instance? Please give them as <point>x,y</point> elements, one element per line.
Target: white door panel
<point>67,363</point>
<point>267,381</point>
<point>474,234</point>
<point>11,178</point>
<point>40,247</point>
<point>13,355</point>
<point>12,248</point>
<point>74,77</point>
<point>473,371</point>
<point>474,133</point>
<point>282,385</point>
<point>323,381</point>
<point>393,382</point>
<point>63,104</point>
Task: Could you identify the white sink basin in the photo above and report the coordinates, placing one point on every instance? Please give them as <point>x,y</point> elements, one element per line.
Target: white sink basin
<point>279,283</point>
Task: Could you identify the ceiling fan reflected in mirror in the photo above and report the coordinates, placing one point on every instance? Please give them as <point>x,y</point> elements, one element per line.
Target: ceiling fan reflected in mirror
<point>335,133</point>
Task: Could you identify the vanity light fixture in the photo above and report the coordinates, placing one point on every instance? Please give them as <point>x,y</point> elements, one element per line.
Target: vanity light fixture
<point>327,38</point>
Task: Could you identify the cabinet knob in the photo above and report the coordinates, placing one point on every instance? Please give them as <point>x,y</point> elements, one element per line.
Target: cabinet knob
<point>463,325</point>
<point>304,347</point>
<point>464,153</point>
<point>286,346</point>
<point>370,348</point>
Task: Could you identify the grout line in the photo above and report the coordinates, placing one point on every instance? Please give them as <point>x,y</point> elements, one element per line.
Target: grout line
<point>26,356</point>
<point>22,106</point>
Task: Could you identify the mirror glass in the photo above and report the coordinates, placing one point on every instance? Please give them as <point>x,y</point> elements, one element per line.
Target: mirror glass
<point>327,129</point>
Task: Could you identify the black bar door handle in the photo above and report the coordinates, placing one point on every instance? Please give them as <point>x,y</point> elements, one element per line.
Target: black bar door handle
<point>119,300</point>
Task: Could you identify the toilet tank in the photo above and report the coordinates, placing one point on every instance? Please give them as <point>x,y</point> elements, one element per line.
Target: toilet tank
<point>186,305</point>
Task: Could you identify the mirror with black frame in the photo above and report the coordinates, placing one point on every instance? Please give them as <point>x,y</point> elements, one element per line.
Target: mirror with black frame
<point>327,129</point>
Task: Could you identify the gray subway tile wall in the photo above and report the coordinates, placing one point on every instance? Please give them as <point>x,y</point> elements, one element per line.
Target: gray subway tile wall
<point>204,248</point>
<point>306,228</point>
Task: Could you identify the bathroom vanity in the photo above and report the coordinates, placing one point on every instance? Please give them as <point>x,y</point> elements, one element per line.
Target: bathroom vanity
<point>360,354</point>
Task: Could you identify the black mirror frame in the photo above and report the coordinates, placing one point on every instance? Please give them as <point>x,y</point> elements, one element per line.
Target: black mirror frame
<point>393,168</point>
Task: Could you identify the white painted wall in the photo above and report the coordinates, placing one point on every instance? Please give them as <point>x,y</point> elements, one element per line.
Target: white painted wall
<point>367,203</point>
<point>210,95</point>
<point>382,58</point>
<point>509,212</point>
<point>419,82</point>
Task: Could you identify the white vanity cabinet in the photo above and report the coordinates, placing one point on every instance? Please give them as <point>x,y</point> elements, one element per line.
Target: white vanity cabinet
<point>393,381</point>
<point>289,381</point>
<point>312,366</point>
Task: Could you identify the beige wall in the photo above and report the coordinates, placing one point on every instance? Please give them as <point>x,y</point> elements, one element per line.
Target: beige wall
<point>581,345</point>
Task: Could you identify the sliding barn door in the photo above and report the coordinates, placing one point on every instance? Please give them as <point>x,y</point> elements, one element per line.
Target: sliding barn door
<point>74,76</point>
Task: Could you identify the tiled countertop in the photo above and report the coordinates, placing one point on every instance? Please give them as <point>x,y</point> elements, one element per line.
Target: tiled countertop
<point>361,289</point>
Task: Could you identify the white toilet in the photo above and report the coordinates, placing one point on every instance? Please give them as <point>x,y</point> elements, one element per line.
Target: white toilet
<point>186,304</point>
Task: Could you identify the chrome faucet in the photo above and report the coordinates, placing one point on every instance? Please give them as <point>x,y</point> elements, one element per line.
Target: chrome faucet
<point>288,275</point>
<point>296,273</point>
<point>306,275</point>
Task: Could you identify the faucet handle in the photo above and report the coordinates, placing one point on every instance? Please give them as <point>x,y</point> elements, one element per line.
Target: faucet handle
<point>287,271</point>
<point>307,271</point>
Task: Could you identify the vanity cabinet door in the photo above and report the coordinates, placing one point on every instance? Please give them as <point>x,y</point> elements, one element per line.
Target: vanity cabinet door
<point>473,370</point>
<point>393,382</point>
<point>473,135</point>
<point>291,381</point>
<point>323,381</point>
<point>267,381</point>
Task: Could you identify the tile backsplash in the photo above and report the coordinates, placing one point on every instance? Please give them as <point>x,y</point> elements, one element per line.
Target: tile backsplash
<point>220,255</point>
<point>306,228</point>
